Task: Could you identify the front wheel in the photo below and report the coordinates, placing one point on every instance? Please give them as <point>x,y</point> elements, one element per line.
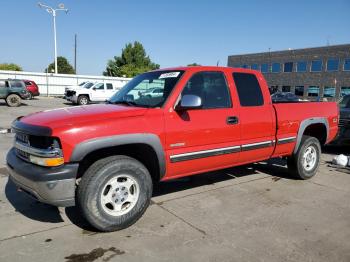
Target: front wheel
<point>83,100</point>
<point>305,162</point>
<point>114,192</point>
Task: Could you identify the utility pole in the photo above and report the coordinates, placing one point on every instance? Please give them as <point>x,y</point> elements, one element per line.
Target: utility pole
<point>52,11</point>
<point>75,53</point>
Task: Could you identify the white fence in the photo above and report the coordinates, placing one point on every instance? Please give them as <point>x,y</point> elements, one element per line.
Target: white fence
<point>54,84</point>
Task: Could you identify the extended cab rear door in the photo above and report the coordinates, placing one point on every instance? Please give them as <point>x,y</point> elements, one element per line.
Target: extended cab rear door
<point>257,119</point>
<point>207,138</point>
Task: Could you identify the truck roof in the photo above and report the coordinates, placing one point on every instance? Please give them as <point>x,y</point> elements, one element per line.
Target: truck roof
<point>209,68</point>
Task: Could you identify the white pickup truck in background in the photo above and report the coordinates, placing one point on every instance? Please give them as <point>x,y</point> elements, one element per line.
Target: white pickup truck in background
<point>98,92</point>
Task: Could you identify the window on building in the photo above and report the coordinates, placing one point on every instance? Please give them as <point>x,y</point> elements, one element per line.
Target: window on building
<point>345,90</point>
<point>299,90</point>
<point>301,66</point>
<point>264,68</point>
<point>313,91</point>
<point>255,67</point>
<point>285,88</point>
<point>237,66</point>
<point>211,87</point>
<point>288,67</point>
<point>347,64</point>
<point>109,86</point>
<point>316,66</point>
<point>333,64</point>
<point>245,66</point>
<point>276,67</point>
<point>329,91</point>
<point>248,89</point>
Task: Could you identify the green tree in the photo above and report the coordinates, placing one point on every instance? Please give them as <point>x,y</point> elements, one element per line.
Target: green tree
<point>193,64</point>
<point>11,67</point>
<point>132,62</point>
<point>63,66</point>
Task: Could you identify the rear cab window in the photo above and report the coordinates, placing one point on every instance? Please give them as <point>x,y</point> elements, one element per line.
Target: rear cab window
<point>248,89</point>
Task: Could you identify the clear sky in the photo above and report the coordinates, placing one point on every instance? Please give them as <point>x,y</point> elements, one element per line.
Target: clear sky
<point>173,32</point>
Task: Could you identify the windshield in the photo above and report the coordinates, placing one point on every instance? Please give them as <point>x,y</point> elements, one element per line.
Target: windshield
<point>88,85</point>
<point>147,90</point>
<point>345,102</point>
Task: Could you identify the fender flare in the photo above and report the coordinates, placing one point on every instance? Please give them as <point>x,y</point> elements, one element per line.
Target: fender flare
<point>306,123</point>
<point>152,140</point>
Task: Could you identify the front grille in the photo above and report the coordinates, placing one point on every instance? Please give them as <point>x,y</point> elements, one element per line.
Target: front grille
<point>22,154</point>
<point>23,138</point>
<point>70,93</point>
<point>344,122</point>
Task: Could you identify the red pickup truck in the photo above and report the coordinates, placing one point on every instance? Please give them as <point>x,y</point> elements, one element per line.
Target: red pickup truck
<point>105,158</point>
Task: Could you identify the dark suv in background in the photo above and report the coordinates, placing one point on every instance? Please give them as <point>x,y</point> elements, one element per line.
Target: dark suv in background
<point>344,121</point>
<point>13,91</point>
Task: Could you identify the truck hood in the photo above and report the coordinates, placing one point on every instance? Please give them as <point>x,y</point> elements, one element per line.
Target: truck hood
<point>71,115</point>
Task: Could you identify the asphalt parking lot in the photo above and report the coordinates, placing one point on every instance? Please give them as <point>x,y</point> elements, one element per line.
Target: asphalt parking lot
<point>251,213</point>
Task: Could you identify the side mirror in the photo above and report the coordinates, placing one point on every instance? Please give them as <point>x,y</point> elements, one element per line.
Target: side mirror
<point>189,102</point>
<point>94,88</point>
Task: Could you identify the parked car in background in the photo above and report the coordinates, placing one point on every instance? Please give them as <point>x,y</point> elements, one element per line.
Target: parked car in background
<point>156,92</point>
<point>32,88</point>
<point>82,85</point>
<point>343,137</point>
<point>99,92</point>
<point>13,91</point>
<point>284,97</point>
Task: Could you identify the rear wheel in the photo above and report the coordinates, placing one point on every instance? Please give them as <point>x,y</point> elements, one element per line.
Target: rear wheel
<point>83,100</point>
<point>13,100</point>
<point>305,162</point>
<point>114,192</point>
<point>30,97</point>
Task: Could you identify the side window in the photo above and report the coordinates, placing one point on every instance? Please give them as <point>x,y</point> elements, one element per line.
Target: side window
<point>2,84</point>
<point>28,83</point>
<point>109,86</point>
<point>248,89</point>
<point>16,84</point>
<point>211,87</point>
<point>99,86</point>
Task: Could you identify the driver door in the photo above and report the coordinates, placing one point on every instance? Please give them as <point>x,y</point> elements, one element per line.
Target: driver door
<point>98,92</point>
<point>203,139</point>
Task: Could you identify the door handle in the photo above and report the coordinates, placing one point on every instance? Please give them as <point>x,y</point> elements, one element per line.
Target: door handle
<point>232,120</point>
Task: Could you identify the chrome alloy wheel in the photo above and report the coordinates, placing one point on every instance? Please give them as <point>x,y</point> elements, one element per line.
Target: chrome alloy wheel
<point>120,195</point>
<point>84,100</point>
<point>309,158</point>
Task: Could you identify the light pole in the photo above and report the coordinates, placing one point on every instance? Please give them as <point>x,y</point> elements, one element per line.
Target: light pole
<point>52,11</point>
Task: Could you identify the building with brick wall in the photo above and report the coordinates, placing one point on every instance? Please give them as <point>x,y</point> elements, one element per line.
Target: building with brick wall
<point>320,72</point>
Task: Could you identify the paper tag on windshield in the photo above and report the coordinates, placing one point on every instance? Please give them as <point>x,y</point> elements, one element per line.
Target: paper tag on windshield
<point>169,75</point>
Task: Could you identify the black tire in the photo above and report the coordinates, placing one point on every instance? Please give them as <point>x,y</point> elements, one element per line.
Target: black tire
<point>83,100</point>
<point>13,100</point>
<point>94,181</point>
<point>296,163</point>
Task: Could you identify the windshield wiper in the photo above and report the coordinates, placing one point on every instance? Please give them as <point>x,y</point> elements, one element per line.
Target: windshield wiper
<point>124,102</point>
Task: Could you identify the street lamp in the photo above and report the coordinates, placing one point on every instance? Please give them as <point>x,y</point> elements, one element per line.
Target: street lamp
<point>52,11</point>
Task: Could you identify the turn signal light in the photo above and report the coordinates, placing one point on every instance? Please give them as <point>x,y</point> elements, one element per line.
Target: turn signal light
<point>41,161</point>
